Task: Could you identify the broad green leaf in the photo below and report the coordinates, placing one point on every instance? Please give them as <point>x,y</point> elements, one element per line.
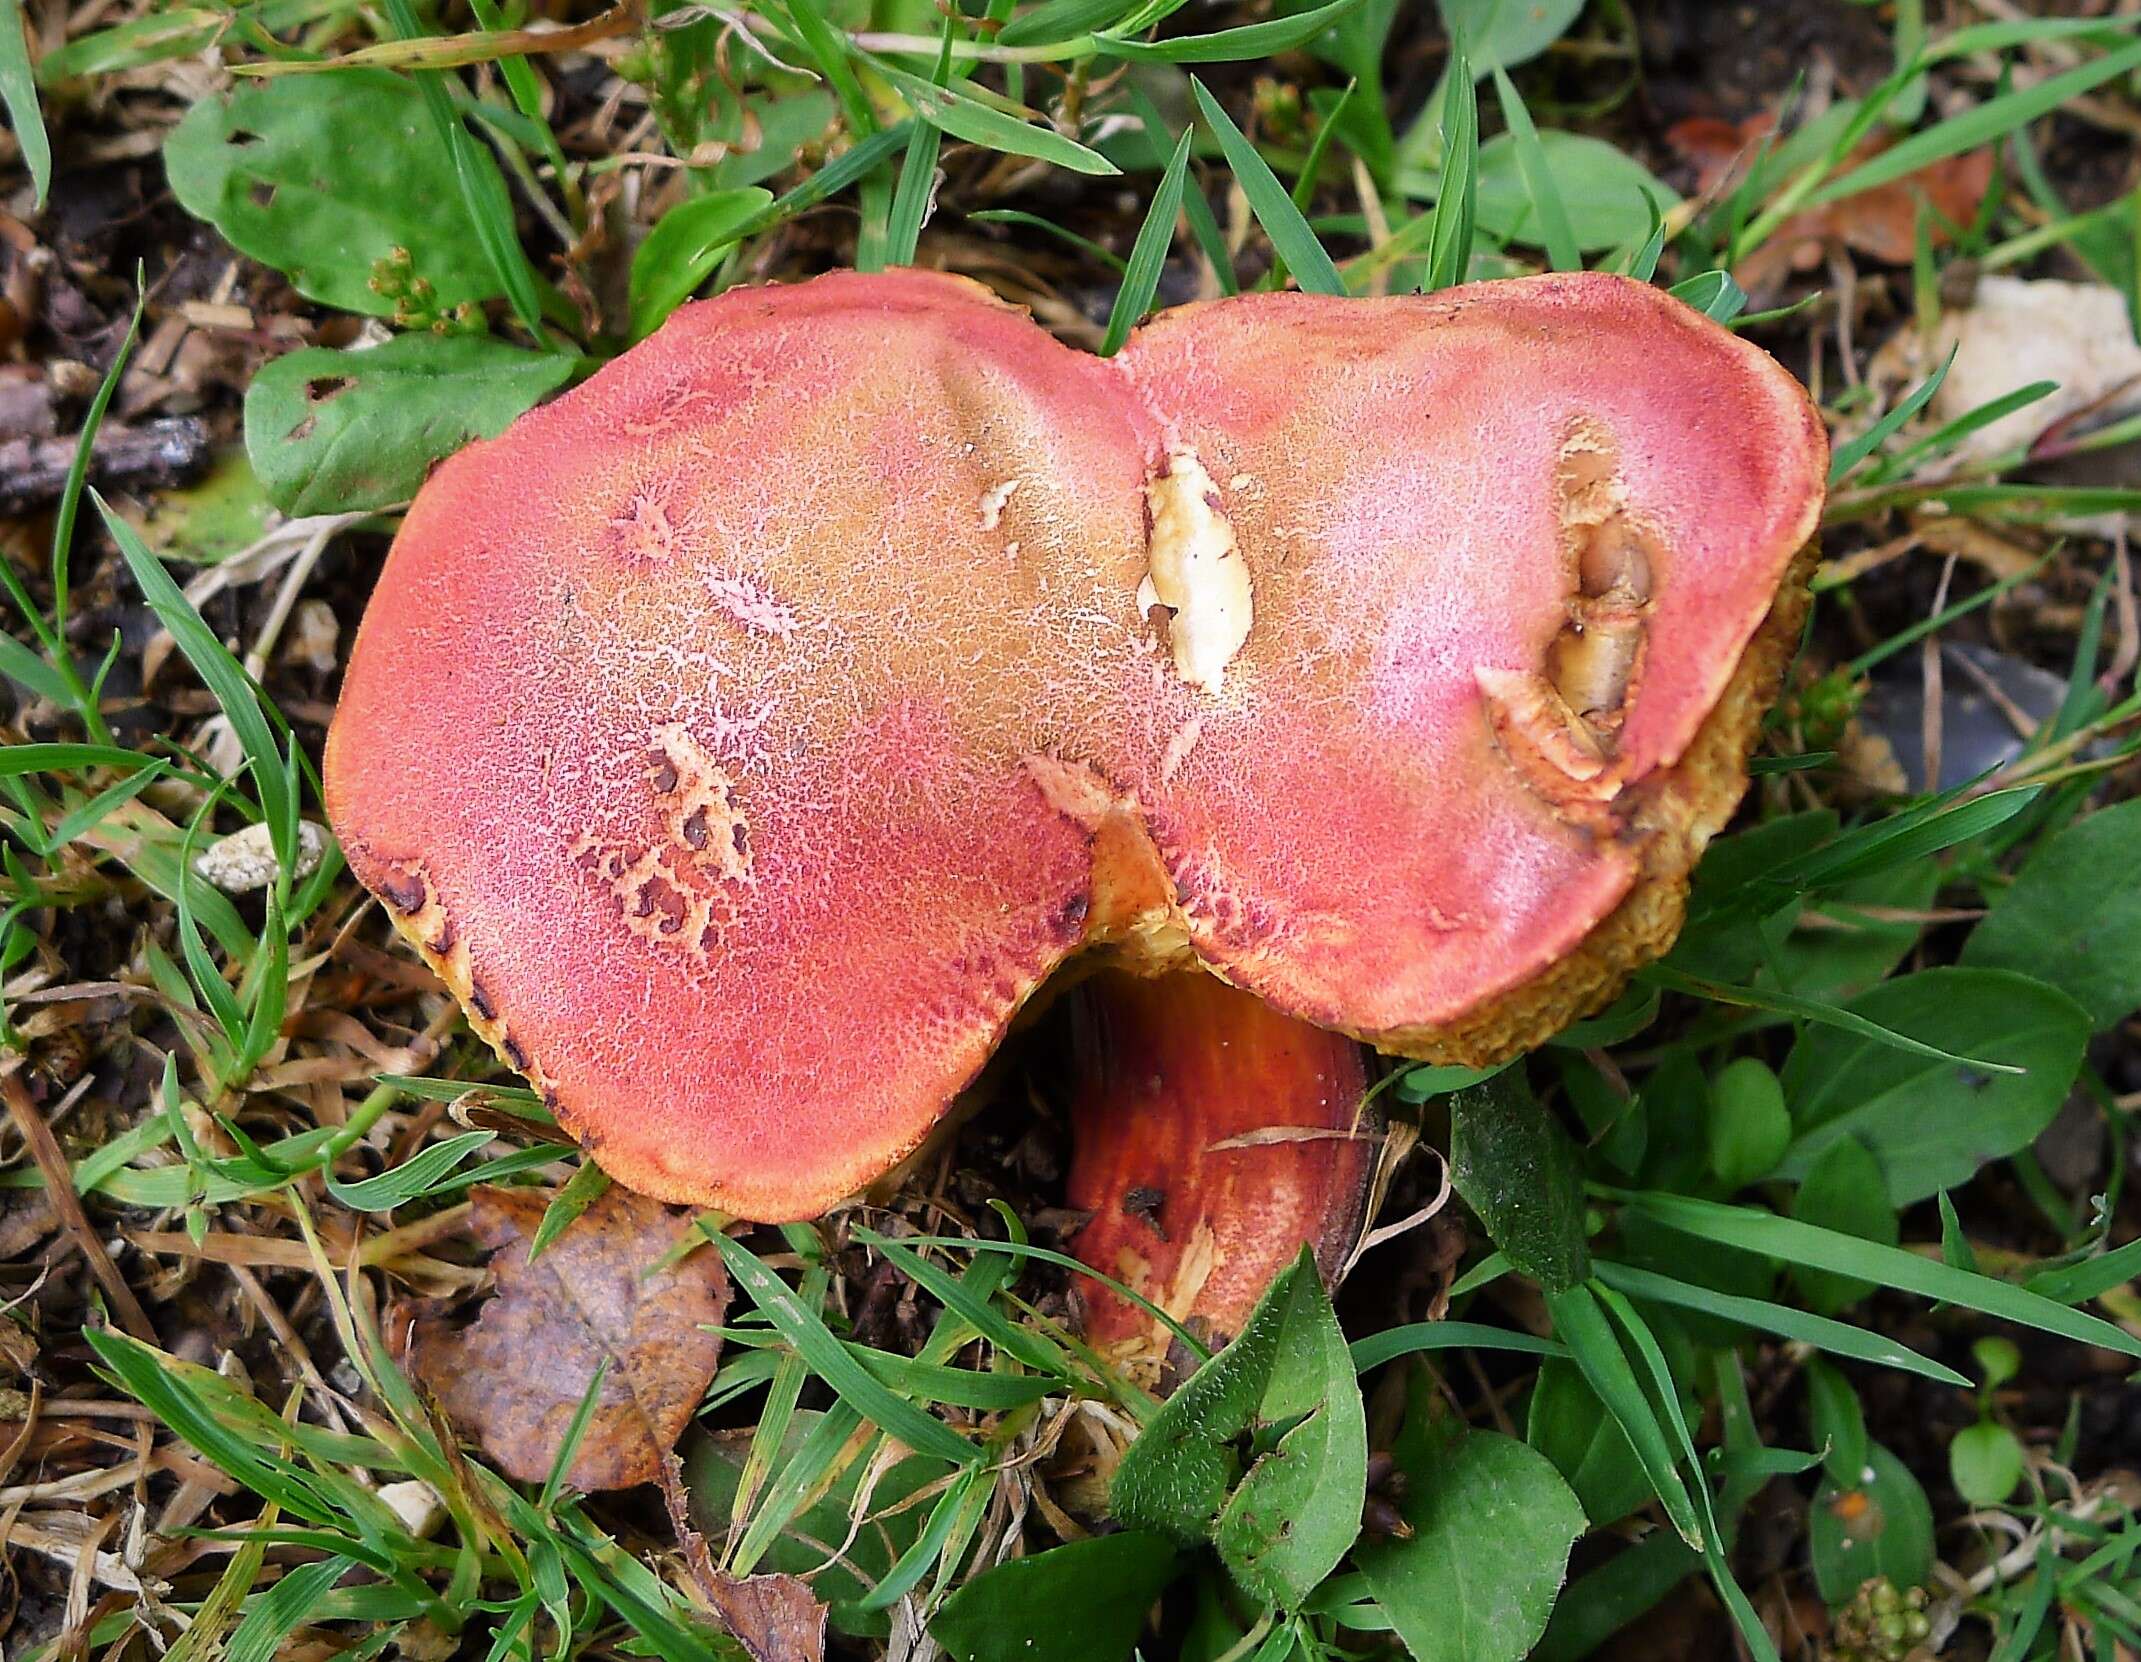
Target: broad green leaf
<point>1292,1518</point>
<point>332,179</point>
<point>1837,1421</point>
<point>2069,921</point>
<point>1517,1169</point>
<point>887,1527</point>
<point>1570,1427</point>
<point>1608,194</point>
<point>1882,1528</point>
<point>1928,1123</point>
<point>18,88</point>
<point>1985,1462</point>
<point>1849,938</point>
<point>1842,1191</point>
<point>335,432</point>
<point>1749,1126</point>
<point>1081,1602</point>
<point>1176,1476</point>
<point>684,247</point>
<point>1492,1526</point>
<point>1500,34</point>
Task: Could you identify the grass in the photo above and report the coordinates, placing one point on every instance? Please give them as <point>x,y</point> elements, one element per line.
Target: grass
<point>295,1127</point>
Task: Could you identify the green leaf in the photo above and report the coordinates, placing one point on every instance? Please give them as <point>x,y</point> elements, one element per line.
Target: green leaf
<point>1295,243</point>
<point>336,432</point>
<point>1536,169</point>
<point>1292,1518</point>
<point>1581,1324</point>
<point>1848,455</point>
<point>1749,1126</point>
<point>1517,1169</point>
<point>328,178</point>
<point>1500,34</point>
<point>1141,275</point>
<point>1610,196</point>
<point>1985,1460</point>
<point>1842,1191</point>
<point>1176,1476</point>
<point>1882,1528</point>
<point>1928,1123</point>
<point>1978,124</point>
<point>890,1522</point>
<point>1492,1526</point>
<point>684,247</point>
<point>1570,1427</point>
<point>993,129</point>
<point>415,1176</point>
<point>1081,1602</point>
<point>1755,1230</point>
<point>223,675</point>
<point>586,1186</point>
<point>1838,1424</point>
<point>1251,40</point>
<point>1456,211</point>
<point>2063,923</point>
<point>831,1361</point>
<point>18,86</point>
<point>1839,1338</point>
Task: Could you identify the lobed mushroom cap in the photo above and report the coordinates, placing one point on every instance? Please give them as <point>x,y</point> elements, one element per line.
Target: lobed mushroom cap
<point>748,734</point>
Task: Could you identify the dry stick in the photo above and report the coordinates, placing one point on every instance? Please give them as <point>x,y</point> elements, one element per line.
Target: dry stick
<point>1934,685</point>
<point>59,1189</point>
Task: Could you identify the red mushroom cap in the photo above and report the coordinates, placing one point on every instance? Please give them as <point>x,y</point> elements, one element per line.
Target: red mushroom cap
<point>746,735</point>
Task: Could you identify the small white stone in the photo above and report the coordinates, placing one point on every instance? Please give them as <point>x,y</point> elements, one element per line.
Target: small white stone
<point>415,1503</point>
<point>245,860</point>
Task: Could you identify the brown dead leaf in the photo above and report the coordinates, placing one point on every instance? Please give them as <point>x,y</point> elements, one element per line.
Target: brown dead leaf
<point>774,1617</point>
<point>1881,223</point>
<point>514,1378</point>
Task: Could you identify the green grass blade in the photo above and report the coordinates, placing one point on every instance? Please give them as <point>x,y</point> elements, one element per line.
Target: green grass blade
<point>917,186</point>
<point>1449,241</point>
<point>1025,1345</point>
<point>1582,1326</point>
<point>1981,124</point>
<point>1141,276</point>
<point>1766,1233</point>
<point>1808,1009</point>
<point>828,1358</point>
<point>18,87</point>
<point>1283,223</point>
<point>1838,1338</point>
<point>70,500</point>
<point>219,671</point>
<point>1203,225</point>
<point>1393,1342</point>
<point>1848,455</point>
<point>993,129</point>
<point>1554,228</point>
<point>415,1176</point>
<point>1251,40</point>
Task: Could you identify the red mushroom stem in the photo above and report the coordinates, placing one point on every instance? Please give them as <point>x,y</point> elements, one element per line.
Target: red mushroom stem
<point>1213,1137</point>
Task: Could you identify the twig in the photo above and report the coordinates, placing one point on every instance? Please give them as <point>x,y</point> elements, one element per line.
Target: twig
<point>59,1189</point>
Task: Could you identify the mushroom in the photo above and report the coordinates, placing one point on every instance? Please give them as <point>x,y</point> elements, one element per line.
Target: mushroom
<point>750,735</point>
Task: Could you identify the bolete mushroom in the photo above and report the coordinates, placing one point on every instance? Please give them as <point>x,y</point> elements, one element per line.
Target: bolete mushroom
<point>749,735</point>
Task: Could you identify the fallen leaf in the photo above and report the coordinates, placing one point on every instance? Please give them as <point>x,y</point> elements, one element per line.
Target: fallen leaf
<point>1881,223</point>
<point>774,1617</point>
<point>513,1379</point>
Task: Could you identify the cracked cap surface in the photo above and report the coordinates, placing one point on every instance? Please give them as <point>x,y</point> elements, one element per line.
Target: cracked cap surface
<point>746,735</point>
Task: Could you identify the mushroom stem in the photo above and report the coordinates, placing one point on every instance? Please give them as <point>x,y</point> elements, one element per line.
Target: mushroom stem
<point>1213,1137</point>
